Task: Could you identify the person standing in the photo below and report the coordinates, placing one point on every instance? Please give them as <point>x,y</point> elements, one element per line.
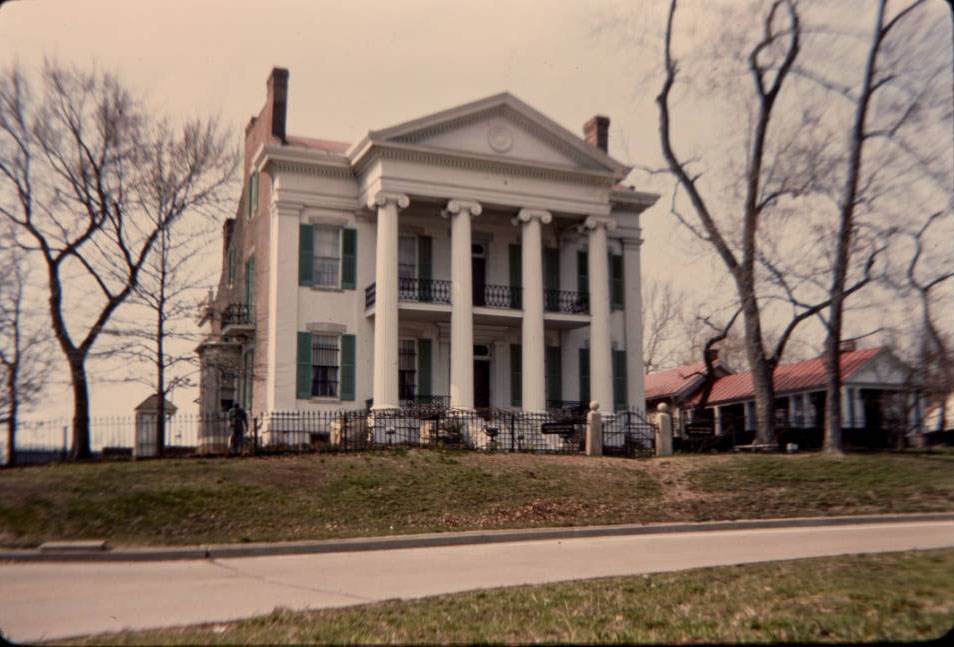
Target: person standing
<point>238,422</point>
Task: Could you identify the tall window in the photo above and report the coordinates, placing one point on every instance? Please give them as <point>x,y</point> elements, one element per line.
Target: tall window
<point>324,365</point>
<point>407,257</point>
<point>407,369</point>
<point>327,257</point>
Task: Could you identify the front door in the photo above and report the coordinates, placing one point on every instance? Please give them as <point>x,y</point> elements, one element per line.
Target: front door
<point>481,383</point>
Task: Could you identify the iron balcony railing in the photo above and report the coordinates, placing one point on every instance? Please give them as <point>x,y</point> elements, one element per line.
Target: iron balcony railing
<point>566,301</point>
<point>420,290</point>
<point>238,314</point>
<point>497,296</point>
<point>491,296</point>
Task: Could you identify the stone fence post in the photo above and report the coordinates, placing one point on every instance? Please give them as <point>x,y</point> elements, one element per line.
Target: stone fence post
<point>594,430</point>
<point>663,430</point>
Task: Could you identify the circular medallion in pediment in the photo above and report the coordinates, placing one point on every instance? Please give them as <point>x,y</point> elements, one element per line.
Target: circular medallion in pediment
<point>500,138</point>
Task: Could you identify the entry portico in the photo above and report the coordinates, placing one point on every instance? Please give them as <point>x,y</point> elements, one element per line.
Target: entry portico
<point>497,252</point>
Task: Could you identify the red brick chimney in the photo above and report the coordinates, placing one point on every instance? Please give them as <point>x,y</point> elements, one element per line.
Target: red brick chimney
<point>847,346</point>
<point>596,132</point>
<point>268,127</point>
<point>277,102</point>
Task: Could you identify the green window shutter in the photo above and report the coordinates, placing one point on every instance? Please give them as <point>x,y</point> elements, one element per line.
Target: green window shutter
<point>619,379</point>
<point>551,269</point>
<point>250,281</point>
<point>425,267</point>
<point>516,275</point>
<point>349,258</point>
<point>304,366</point>
<point>346,391</point>
<point>616,281</point>
<point>252,205</point>
<point>425,263</point>
<point>231,265</point>
<point>585,376</point>
<point>516,375</point>
<point>553,373</point>
<point>424,367</point>
<point>306,254</point>
<point>582,272</point>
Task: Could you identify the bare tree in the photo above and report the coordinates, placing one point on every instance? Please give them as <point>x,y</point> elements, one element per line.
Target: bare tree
<point>797,221</point>
<point>877,78</point>
<point>157,328</point>
<point>24,352</point>
<point>770,62</point>
<point>90,181</point>
<point>664,338</point>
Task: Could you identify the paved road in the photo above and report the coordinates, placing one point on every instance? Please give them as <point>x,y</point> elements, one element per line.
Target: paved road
<point>58,600</point>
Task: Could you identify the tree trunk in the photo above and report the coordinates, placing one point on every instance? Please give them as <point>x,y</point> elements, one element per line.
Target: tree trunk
<point>81,435</point>
<point>763,379</point>
<point>833,422</point>
<point>12,420</point>
<point>161,393</point>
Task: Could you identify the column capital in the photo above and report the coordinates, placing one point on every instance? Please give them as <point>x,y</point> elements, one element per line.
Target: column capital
<point>460,206</point>
<point>383,198</point>
<point>526,215</point>
<point>593,222</point>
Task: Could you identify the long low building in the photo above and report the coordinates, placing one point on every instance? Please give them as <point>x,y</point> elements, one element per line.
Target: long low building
<point>877,399</point>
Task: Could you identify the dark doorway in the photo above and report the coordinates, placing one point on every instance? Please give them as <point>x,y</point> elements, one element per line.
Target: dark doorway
<point>481,383</point>
<point>478,273</point>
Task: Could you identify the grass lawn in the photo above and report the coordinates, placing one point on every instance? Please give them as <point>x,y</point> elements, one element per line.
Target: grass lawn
<point>889,597</point>
<point>192,501</point>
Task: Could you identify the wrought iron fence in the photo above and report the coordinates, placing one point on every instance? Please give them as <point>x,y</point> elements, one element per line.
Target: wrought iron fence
<point>628,433</point>
<point>120,437</point>
<point>424,422</point>
<point>566,301</point>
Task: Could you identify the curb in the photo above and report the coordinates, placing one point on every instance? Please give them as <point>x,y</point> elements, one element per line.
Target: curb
<point>223,551</point>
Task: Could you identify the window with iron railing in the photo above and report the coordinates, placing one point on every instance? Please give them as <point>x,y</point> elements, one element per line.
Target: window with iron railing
<point>324,365</point>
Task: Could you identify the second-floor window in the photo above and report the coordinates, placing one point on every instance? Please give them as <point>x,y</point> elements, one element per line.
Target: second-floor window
<point>327,256</point>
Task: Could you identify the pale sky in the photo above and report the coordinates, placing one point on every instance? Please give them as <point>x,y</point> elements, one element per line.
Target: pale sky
<point>357,66</point>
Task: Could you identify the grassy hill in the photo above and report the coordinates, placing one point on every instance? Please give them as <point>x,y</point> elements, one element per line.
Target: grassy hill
<point>192,501</point>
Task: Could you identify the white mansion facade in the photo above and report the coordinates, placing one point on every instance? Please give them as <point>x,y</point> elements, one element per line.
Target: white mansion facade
<point>481,256</point>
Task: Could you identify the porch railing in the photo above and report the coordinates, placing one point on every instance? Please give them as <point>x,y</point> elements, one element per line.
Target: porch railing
<point>497,296</point>
<point>237,314</point>
<point>419,290</point>
<point>566,301</point>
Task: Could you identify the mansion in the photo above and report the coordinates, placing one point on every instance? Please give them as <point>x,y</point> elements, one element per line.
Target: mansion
<point>478,257</point>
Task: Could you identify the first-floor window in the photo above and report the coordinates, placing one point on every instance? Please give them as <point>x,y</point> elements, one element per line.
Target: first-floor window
<point>324,365</point>
<point>327,256</point>
<point>407,371</point>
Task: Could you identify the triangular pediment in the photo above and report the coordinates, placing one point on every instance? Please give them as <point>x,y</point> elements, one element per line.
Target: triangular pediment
<point>502,126</point>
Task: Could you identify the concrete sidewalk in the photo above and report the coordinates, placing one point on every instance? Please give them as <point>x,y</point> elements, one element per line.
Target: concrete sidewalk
<point>41,601</point>
<point>86,551</point>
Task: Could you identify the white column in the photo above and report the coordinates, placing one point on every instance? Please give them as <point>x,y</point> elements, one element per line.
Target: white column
<point>533,371</point>
<point>462,305</point>
<point>601,351</point>
<point>281,310</point>
<point>717,418</point>
<point>635,369</point>
<point>385,383</point>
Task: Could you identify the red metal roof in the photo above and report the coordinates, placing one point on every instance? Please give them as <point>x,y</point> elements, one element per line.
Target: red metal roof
<point>796,376</point>
<point>328,145</point>
<point>663,384</point>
